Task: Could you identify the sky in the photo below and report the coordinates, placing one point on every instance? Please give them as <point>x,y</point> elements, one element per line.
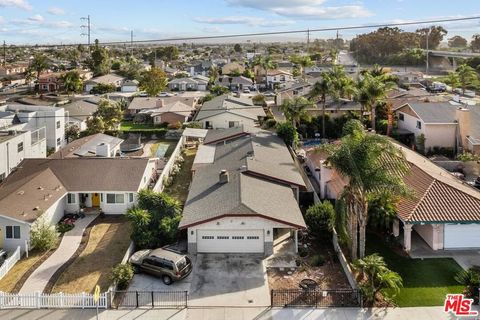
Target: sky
<point>57,21</point>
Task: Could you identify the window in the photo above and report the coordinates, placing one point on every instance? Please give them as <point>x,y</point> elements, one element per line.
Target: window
<point>130,197</point>
<point>12,232</point>
<point>58,124</point>
<point>71,198</point>
<point>20,147</point>
<point>208,237</point>
<point>419,125</point>
<point>233,124</point>
<point>223,237</point>
<point>238,237</point>
<point>401,117</point>
<point>115,198</point>
<point>59,141</point>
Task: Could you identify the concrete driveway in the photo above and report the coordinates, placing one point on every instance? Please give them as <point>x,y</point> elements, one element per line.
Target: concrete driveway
<point>229,280</point>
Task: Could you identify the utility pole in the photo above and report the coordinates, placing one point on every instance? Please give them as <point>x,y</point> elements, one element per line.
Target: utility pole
<point>426,46</point>
<point>308,40</point>
<point>4,53</point>
<point>87,27</point>
<point>131,43</point>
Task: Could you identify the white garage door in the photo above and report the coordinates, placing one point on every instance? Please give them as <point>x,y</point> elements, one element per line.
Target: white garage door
<point>230,241</point>
<point>461,236</point>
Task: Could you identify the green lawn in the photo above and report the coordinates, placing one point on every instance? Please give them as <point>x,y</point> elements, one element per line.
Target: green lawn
<point>126,126</point>
<point>425,282</point>
<point>171,147</point>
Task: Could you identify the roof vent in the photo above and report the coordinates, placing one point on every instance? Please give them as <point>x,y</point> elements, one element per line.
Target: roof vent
<point>223,177</point>
<point>40,188</point>
<point>36,208</point>
<point>243,168</point>
<point>21,192</point>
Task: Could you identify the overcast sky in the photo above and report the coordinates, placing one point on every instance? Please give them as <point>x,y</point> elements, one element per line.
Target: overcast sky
<point>50,21</point>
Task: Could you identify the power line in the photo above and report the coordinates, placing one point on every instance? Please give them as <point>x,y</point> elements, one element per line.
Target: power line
<point>239,35</point>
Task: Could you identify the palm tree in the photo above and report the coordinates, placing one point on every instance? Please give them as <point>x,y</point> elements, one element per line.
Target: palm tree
<point>266,63</point>
<point>342,86</point>
<point>295,109</point>
<point>303,62</point>
<point>322,89</point>
<point>72,82</point>
<point>373,166</point>
<point>213,74</point>
<point>453,80</point>
<point>39,64</point>
<point>466,76</point>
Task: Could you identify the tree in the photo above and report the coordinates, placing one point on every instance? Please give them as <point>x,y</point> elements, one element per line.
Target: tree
<point>435,36</point>
<point>43,235</point>
<point>218,90</point>
<point>72,82</point>
<point>153,81</point>
<point>110,113</point>
<point>99,60</point>
<point>377,278</point>
<point>155,220</point>
<point>452,80</point>
<point>373,165</point>
<point>72,133</point>
<point>131,69</point>
<point>237,47</point>
<point>95,125</point>
<point>103,88</point>
<point>266,63</point>
<point>39,64</point>
<point>288,133</point>
<point>457,42</point>
<point>320,219</point>
<point>341,85</point>
<point>213,74</point>
<point>475,43</point>
<point>466,75</point>
<point>321,89</point>
<point>122,273</point>
<point>258,100</point>
<point>295,109</point>
<point>470,279</point>
<point>303,62</point>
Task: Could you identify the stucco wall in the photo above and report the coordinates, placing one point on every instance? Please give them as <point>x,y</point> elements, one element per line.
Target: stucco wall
<point>440,135</point>
<point>221,121</point>
<point>12,244</point>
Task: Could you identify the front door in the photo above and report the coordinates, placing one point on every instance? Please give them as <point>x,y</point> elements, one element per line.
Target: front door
<point>95,200</point>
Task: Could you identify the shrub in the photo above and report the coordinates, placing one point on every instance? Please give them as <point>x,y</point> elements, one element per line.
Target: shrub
<point>287,132</point>
<point>122,274</point>
<point>258,100</point>
<point>302,252</point>
<point>64,227</point>
<point>318,260</point>
<point>174,126</point>
<point>43,235</point>
<point>270,123</point>
<point>320,219</point>
<point>470,279</point>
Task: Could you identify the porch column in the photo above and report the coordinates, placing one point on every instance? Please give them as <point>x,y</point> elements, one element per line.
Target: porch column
<point>396,228</point>
<point>296,241</point>
<point>407,237</point>
<point>436,240</point>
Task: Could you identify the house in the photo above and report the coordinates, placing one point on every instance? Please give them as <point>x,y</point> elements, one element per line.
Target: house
<point>442,124</point>
<point>171,113</point>
<point>95,145</point>
<point>50,82</point>
<point>50,188</point>
<point>443,210</point>
<point>31,118</point>
<point>108,79</point>
<point>18,145</point>
<point>232,68</point>
<point>12,69</point>
<point>139,104</point>
<point>244,195</point>
<point>200,68</point>
<point>408,76</point>
<point>337,108</point>
<point>237,83</point>
<point>275,78</point>
<point>227,111</point>
<point>77,113</point>
<point>292,90</point>
<point>195,83</point>
<point>129,86</point>
<point>286,66</point>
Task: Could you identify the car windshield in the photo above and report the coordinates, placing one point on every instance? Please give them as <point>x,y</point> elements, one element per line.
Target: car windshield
<point>182,263</point>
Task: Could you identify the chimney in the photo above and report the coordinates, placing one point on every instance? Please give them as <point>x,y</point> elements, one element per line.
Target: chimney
<point>463,120</point>
<point>103,150</point>
<point>160,103</point>
<point>223,176</point>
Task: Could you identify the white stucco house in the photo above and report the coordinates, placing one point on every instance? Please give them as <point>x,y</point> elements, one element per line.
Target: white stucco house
<point>53,187</point>
<point>244,194</point>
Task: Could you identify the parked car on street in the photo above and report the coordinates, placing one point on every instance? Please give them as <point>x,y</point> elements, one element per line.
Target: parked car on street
<point>168,265</point>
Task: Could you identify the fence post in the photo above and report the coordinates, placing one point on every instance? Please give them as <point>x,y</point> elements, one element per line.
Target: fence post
<point>136,294</point>
<point>153,305</point>
<point>316,298</point>
<point>2,299</point>
<point>271,298</point>
<point>186,299</point>
<point>37,300</point>
<point>83,300</point>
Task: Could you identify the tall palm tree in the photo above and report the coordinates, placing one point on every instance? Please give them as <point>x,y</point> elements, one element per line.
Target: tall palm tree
<point>266,63</point>
<point>373,166</point>
<point>452,80</point>
<point>320,90</point>
<point>303,62</point>
<point>342,86</point>
<point>295,109</point>
<point>39,64</point>
<point>466,76</point>
<point>72,82</point>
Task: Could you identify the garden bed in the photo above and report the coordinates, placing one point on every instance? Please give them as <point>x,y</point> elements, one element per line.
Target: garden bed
<point>181,182</point>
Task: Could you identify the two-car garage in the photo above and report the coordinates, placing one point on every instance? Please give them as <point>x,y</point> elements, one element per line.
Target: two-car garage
<point>230,241</point>
<point>457,236</point>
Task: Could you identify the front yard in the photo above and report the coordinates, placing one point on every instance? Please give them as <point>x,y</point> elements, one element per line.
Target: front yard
<point>425,281</point>
<point>108,241</point>
<point>181,182</point>
<point>127,126</point>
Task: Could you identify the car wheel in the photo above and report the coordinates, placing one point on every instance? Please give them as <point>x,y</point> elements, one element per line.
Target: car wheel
<point>167,280</point>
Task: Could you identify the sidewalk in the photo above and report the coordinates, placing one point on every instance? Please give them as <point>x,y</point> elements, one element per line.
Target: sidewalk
<point>69,244</point>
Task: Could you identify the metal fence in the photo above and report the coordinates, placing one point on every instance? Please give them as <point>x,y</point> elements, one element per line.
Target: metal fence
<point>315,298</point>
<point>151,299</point>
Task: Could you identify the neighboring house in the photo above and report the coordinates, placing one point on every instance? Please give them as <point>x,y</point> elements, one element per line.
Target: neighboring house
<point>285,66</point>
<point>408,76</point>
<point>129,86</point>
<point>195,83</point>
<point>232,67</point>
<point>95,145</point>
<point>237,83</point>
<point>244,195</point>
<point>32,118</point>
<point>292,90</point>
<point>78,112</point>
<point>111,78</point>
<point>337,109</point>
<point>227,111</point>
<point>443,210</point>
<point>52,187</point>
<point>18,145</point>
<point>12,69</point>
<point>200,68</point>
<point>171,113</point>
<point>443,124</point>
<point>275,78</point>
<point>144,104</point>
<point>50,82</point>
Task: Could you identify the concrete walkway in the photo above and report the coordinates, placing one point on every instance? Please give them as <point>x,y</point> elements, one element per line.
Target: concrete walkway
<point>69,244</point>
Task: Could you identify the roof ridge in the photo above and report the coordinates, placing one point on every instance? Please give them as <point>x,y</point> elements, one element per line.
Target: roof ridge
<point>421,198</point>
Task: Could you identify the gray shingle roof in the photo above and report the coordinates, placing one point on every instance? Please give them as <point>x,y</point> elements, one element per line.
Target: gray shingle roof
<point>254,186</point>
<point>80,109</point>
<point>226,103</point>
<point>434,112</point>
<point>220,135</point>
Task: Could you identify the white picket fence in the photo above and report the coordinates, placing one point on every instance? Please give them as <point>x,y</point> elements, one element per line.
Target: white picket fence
<point>51,301</point>
<point>10,262</point>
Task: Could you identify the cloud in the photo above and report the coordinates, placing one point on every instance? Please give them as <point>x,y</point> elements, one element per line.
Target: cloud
<point>37,18</point>
<point>20,4</point>
<point>250,21</point>
<point>304,9</point>
<point>56,11</point>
